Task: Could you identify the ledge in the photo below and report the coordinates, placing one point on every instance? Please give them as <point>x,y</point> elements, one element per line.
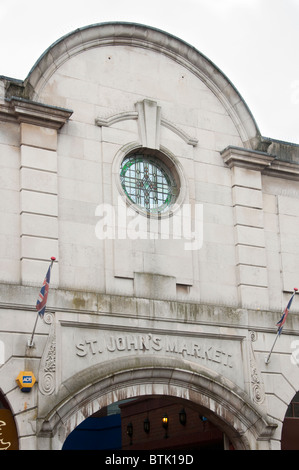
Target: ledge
<point>267,164</point>
<point>246,158</point>
<point>21,110</point>
<point>100,305</point>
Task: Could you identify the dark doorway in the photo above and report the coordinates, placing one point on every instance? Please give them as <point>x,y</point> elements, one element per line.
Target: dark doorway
<point>148,423</point>
<point>290,429</point>
<point>8,430</point>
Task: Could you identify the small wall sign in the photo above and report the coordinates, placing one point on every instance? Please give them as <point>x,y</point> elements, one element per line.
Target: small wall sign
<point>25,381</point>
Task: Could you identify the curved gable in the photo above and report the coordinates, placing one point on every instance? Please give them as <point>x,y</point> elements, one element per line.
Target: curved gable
<point>153,40</point>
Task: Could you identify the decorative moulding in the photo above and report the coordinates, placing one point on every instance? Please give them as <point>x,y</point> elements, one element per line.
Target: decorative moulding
<point>149,119</point>
<point>107,122</point>
<point>132,35</point>
<point>47,370</point>
<point>174,128</point>
<point>283,169</point>
<point>26,111</point>
<point>251,159</point>
<point>266,163</point>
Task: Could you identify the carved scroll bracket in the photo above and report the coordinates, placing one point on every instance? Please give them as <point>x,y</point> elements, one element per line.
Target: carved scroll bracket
<point>256,383</point>
<point>47,371</point>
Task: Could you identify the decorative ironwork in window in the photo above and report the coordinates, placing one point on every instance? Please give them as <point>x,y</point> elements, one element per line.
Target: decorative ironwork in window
<point>148,182</point>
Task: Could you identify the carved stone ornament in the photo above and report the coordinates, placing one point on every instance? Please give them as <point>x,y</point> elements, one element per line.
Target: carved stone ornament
<point>150,119</point>
<point>47,371</point>
<point>256,383</point>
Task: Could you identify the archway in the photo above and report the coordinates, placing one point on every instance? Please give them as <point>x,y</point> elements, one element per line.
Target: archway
<point>8,429</point>
<point>226,406</point>
<point>290,427</point>
<point>155,423</point>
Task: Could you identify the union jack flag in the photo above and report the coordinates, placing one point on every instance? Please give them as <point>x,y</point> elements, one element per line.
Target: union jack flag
<point>282,321</point>
<point>43,295</point>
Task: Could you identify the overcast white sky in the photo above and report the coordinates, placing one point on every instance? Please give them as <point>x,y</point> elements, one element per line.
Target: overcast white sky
<point>254,42</point>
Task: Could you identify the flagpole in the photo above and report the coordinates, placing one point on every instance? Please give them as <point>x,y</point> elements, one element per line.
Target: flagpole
<point>30,341</point>
<point>267,360</point>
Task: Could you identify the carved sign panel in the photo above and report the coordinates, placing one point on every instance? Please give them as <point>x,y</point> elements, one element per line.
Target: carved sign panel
<point>84,347</point>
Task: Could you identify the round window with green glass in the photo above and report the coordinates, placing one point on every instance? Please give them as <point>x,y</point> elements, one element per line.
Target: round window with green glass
<point>148,182</point>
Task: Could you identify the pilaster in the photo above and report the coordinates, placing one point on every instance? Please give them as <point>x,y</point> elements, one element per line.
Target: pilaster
<point>39,124</point>
<point>38,201</point>
<point>246,167</point>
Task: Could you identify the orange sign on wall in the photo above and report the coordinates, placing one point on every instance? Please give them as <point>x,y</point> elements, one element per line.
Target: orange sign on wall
<point>8,431</point>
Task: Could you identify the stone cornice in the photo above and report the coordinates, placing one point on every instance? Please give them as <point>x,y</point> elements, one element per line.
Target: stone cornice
<point>246,158</point>
<point>26,111</point>
<point>107,306</point>
<point>283,169</point>
<point>266,163</point>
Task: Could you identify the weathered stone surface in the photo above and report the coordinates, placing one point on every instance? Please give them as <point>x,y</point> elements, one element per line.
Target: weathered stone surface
<point>184,306</point>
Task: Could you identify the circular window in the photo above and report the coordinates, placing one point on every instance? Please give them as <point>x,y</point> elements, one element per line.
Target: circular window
<point>148,182</point>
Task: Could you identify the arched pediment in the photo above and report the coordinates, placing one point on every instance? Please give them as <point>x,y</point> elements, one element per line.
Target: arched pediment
<point>151,39</point>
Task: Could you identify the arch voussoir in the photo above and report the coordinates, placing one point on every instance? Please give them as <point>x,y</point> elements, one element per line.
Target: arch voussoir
<point>224,404</point>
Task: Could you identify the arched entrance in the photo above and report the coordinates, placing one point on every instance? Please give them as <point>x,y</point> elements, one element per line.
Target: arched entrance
<point>155,423</point>
<point>290,428</point>
<point>226,406</point>
<point>8,430</point>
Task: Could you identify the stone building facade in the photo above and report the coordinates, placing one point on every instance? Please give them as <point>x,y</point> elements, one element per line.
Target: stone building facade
<point>131,158</point>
